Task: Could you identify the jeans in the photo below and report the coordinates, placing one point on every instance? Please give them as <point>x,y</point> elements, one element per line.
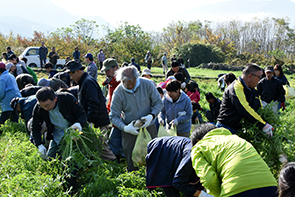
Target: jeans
<point>115,141</point>
<point>219,125</point>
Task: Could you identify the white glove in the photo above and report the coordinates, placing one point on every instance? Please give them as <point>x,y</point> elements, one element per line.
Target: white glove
<point>204,194</point>
<point>91,124</point>
<point>267,129</point>
<point>76,126</point>
<point>174,122</point>
<point>148,119</point>
<point>161,122</point>
<point>283,159</point>
<point>183,113</point>
<point>183,84</point>
<point>42,151</point>
<point>131,129</point>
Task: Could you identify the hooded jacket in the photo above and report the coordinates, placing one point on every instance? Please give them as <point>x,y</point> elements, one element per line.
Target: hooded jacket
<point>8,90</point>
<point>228,165</point>
<point>127,106</point>
<point>181,110</point>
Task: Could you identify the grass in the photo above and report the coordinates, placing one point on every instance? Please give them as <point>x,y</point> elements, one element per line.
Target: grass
<point>24,173</point>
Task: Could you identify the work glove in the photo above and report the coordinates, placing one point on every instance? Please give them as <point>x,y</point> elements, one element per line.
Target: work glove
<point>161,122</point>
<point>174,122</point>
<point>77,126</point>
<point>148,119</point>
<point>283,106</point>
<point>283,159</point>
<point>91,124</point>
<point>267,129</point>
<point>42,151</point>
<point>131,129</point>
<point>183,85</point>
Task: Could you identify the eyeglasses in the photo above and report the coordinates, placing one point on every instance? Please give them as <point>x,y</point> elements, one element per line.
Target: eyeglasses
<point>259,77</point>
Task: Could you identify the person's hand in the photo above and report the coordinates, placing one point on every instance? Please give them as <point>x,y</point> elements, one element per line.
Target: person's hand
<point>174,122</point>
<point>91,124</point>
<point>77,126</point>
<point>148,119</point>
<point>42,151</point>
<point>183,84</point>
<point>283,106</point>
<point>267,129</point>
<point>161,122</point>
<point>131,129</point>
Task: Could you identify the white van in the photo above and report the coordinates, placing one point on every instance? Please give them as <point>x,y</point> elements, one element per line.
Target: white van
<point>32,54</point>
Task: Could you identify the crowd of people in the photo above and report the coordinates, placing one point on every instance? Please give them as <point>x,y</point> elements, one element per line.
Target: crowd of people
<point>210,158</point>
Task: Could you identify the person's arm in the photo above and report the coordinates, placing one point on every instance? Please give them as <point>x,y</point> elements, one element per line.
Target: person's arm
<point>36,126</point>
<point>116,109</point>
<point>93,101</point>
<point>77,110</point>
<point>186,76</point>
<point>156,102</point>
<point>281,92</point>
<point>188,112</point>
<point>208,174</point>
<point>243,107</point>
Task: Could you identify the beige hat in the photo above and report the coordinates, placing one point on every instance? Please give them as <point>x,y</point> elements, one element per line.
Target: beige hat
<point>146,71</point>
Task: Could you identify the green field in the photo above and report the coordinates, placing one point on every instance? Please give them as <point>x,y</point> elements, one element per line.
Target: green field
<point>24,173</point>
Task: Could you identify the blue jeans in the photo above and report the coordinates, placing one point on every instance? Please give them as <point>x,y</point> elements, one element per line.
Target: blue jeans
<point>115,141</point>
<point>219,125</point>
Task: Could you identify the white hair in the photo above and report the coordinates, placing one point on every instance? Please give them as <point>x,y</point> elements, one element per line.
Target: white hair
<point>127,73</point>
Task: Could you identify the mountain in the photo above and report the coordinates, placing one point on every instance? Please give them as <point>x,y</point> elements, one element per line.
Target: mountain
<point>24,17</point>
<point>239,9</point>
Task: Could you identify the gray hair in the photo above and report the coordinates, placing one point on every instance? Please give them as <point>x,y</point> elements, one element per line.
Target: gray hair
<point>127,73</point>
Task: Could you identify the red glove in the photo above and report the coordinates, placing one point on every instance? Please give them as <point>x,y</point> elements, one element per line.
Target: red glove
<point>283,106</point>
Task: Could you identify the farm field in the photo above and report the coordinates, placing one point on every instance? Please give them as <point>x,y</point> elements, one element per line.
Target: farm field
<point>24,173</point>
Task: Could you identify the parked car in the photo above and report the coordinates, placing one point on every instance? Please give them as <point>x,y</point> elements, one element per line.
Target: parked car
<point>32,54</point>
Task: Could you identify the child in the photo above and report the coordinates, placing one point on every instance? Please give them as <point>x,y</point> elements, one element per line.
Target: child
<point>193,92</point>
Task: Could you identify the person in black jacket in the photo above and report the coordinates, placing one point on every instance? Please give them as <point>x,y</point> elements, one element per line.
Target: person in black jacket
<point>169,166</point>
<point>214,104</point>
<point>59,111</point>
<point>91,98</point>
<point>175,68</point>
<point>241,100</point>
<point>271,89</point>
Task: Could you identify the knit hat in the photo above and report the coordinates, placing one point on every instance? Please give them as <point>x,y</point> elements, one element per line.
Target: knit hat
<point>43,82</point>
<point>2,65</point>
<point>108,63</point>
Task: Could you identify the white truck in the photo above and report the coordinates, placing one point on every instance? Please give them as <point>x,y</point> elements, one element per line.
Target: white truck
<point>32,54</point>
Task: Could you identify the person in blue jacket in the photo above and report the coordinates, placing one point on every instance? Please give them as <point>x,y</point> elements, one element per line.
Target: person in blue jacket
<point>177,111</point>
<point>8,91</point>
<point>169,166</point>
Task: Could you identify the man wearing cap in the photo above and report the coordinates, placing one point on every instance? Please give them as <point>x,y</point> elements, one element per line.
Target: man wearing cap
<point>110,66</point>
<point>91,68</point>
<point>91,98</point>
<point>43,51</point>
<point>134,64</point>
<point>8,91</point>
<point>164,63</point>
<point>241,100</point>
<point>271,89</point>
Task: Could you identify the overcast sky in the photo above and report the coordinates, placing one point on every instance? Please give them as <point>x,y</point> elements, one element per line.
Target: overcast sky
<point>150,14</point>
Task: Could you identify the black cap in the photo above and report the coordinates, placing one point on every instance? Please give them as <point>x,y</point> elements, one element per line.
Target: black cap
<point>268,69</point>
<point>72,66</point>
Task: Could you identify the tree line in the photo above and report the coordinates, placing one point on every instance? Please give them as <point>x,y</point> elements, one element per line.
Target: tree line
<point>264,41</point>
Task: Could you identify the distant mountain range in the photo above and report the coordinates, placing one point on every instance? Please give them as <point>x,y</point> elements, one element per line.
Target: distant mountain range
<point>25,16</point>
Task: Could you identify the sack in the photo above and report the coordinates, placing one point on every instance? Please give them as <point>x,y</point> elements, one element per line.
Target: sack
<point>162,132</point>
<point>140,148</point>
<point>290,93</point>
<point>172,131</point>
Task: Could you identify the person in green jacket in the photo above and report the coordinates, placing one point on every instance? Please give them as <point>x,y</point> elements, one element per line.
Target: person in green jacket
<point>229,165</point>
<point>31,72</point>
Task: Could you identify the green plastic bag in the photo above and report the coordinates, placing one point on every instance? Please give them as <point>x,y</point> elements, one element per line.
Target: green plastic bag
<point>162,132</point>
<point>140,148</point>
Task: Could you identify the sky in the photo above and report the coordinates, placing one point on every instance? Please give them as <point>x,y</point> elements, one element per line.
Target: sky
<point>161,12</point>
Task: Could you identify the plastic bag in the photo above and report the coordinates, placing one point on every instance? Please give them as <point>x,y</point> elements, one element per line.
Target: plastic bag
<point>290,93</point>
<point>140,148</point>
<point>172,131</point>
<point>162,132</point>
